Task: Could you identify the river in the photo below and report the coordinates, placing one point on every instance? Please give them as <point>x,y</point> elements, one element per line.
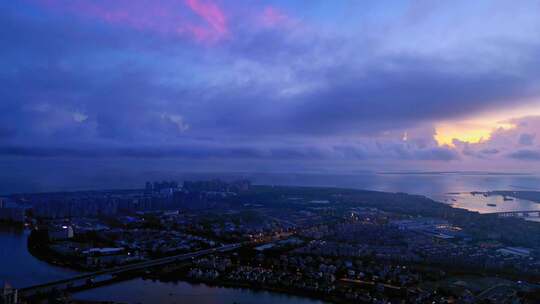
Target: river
<point>146,291</point>
<point>19,267</point>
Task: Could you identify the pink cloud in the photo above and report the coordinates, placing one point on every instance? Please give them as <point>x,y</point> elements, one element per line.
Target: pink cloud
<point>203,21</point>
<point>212,14</point>
<point>274,17</point>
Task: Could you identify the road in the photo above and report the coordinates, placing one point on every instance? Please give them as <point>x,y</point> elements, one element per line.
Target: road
<point>66,283</point>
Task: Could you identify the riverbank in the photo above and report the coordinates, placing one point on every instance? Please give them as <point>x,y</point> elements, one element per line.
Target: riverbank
<point>146,291</point>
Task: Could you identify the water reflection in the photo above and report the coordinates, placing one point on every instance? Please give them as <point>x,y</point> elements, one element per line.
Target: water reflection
<point>489,204</point>
<point>146,291</point>
<point>430,184</point>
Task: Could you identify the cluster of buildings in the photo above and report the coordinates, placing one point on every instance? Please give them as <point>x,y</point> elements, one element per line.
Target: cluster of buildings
<point>155,196</point>
<point>151,242</point>
<point>164,187</point>
<point>85,256</point>
<point>370,256</point>
<point>94,204</point>
<point>217,185</point>
<point>416,240</point>
<point>60,232</point>
<point>335,279</point>
<point>75,243</point>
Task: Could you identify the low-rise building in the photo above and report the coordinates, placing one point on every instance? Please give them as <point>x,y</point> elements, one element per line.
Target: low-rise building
<point>61,232</point>
<point>99,257</point>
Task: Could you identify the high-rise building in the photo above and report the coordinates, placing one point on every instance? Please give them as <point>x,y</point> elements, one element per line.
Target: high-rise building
<point>148,189</point>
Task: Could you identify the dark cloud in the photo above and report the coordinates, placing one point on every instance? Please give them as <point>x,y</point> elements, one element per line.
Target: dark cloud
<point>352,152</point>
<point>180,152</point>
<point>529,155</point>
<point>486,153</point>
<point>490,151</point>
<point>414,91</point>
<point>436,154</point>
<point>252,152</point>
<point>526,139</point>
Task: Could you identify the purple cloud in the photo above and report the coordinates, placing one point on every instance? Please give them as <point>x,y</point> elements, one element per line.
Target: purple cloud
<point>264,82</point>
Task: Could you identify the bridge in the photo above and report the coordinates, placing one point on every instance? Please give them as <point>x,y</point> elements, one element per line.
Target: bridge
<point>526,213</point>
<point>100,277</point>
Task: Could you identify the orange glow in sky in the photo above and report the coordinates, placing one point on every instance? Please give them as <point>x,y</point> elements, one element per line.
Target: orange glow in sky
<point>467,132</point>
<point>480,128</point>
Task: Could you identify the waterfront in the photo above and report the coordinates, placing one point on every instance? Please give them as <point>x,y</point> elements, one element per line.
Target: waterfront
<point>452,188</point>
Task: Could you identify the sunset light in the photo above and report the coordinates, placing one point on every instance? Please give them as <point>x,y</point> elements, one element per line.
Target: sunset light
<point>467,132</point>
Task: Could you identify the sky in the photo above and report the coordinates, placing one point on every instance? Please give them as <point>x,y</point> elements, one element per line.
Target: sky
<point>94,86</point>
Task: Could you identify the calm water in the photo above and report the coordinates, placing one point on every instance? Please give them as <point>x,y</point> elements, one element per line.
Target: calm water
<point>496,203</point>
<point>430,184</point>
<point>145,291</point>
<point>21,269</point>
